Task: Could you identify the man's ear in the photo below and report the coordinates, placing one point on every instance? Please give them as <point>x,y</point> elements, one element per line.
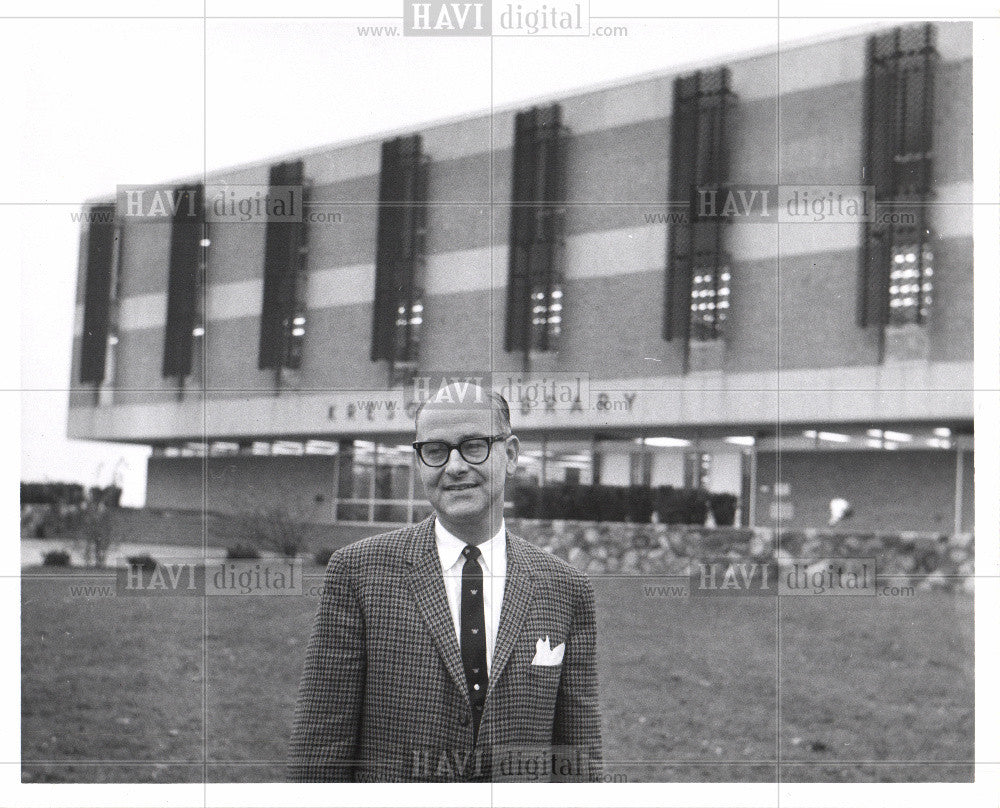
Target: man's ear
<point>512,447</point>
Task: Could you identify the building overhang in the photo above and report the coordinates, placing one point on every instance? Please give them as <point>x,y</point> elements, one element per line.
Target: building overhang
<point>905,392</point>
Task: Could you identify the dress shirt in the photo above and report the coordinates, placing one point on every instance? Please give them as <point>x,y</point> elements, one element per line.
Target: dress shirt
<point>494,563</point>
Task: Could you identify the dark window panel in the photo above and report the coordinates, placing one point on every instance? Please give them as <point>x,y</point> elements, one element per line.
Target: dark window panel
<point>699,160</point>
<point>101,235</point>
<point>534,287</point>
<point>398,308</point>
<point>282,321</point>
<point>187,231</point>
<point>899,162</point>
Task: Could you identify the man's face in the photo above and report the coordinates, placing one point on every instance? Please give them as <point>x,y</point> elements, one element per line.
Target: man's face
<point>463,493</point>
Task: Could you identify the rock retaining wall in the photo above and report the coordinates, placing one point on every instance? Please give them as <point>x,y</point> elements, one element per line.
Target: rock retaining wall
<point>922,560</point>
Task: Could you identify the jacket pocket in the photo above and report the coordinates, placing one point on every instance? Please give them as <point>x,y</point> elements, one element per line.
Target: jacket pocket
<point>553,671</point>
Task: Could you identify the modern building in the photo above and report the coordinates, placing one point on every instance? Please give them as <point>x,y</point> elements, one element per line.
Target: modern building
<point>757,275</point>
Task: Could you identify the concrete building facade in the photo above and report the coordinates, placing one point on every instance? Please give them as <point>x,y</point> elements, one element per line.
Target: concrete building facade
<point>797,394</point>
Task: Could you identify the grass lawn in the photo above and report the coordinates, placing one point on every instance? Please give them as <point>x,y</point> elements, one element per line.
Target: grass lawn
<point>707,689</point>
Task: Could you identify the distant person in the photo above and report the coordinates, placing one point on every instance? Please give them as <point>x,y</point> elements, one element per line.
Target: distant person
<point>452,650</point>
<point>840,509</point>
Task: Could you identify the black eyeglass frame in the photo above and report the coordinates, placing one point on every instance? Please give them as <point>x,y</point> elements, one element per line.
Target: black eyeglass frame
<point>490,440</point>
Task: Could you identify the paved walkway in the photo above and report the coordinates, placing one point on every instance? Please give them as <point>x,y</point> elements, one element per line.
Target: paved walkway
<point>33,550</point>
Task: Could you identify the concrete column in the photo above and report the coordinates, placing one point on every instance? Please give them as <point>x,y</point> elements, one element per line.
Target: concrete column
<point>959,486</point>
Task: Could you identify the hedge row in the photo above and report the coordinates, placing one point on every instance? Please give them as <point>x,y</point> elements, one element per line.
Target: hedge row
<point>613,503</point>
<point>921,560</point>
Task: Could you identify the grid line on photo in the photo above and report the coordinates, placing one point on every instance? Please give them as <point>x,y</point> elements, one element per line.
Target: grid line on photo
<point>933,577</point>
<point>780,760</point>
<point>654,761</point>
<point>202,346</point>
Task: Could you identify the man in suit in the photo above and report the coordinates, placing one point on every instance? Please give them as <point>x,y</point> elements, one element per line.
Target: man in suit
<point>452,650</point>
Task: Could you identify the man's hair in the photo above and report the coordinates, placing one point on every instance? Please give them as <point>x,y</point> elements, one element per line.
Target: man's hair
<point>497,403</point>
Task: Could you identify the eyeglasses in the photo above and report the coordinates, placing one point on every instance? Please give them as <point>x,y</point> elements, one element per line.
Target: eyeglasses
<point>435,453</point>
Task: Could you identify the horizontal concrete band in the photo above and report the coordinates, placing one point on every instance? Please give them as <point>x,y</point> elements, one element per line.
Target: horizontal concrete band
<point>894,393</point>
<point>617,177</point>
<point>808,68</point>
<point>587,255</point>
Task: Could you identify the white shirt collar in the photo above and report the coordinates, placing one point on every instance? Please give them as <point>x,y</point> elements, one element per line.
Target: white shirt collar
<point>450,547</point>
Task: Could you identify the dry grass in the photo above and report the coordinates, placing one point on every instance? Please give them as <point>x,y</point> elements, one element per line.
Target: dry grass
<point>181,689</point>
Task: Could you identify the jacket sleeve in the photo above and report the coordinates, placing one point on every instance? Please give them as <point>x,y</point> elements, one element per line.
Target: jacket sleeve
<point>326,732</point>
<point>577,728</point>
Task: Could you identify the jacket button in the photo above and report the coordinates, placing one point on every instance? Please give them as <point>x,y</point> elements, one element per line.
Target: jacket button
<point>463,719</point>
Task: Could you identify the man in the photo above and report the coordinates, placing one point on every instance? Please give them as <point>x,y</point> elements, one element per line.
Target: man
<point>451,650</point>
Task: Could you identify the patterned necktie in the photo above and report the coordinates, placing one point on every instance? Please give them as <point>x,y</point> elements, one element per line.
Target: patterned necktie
<point>472,626</point>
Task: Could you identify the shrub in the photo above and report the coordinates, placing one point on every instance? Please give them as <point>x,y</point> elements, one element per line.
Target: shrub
<point>57,558</point>
<point>52,493</point>
<point>525,498</point>
<point>242,551</point>
<point>144,562</point>
<point>621,503</point>
<point>289,547</point>
<point>723,509</point>
<point>322,557</point>
<point>681,506</point>
<point>279,520</point>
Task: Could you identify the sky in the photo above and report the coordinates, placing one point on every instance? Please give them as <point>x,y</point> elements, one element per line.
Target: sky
<point>99,102</point>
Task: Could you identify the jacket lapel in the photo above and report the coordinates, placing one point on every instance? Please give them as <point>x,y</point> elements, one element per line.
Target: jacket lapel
<point>518,590</point>
<point>426,580</point>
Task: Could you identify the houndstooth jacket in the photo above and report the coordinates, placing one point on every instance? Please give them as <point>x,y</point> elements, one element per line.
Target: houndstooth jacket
<point>383,695</point>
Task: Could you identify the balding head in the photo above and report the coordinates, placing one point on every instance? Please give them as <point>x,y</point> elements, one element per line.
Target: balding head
<point>468,429</point>
<point>469,397</point>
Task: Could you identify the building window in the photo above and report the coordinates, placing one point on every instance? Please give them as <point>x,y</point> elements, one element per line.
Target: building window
<point>554,462</point>
<point>698,274</point>
<point>375,483</point>
<point>534,286</point>
<point>186,233</point>
<point>709,301</point>
<point>398,315</point>
<point>409,318</point>
<point>198,328</point>
<point>896,286</point>
<point>911,284</point>
<point>283,311</point>
<point>640,469</point>
<point>107,391</point>
<point>102,235</point>
<point>546,315</point>
<point>697,469</point>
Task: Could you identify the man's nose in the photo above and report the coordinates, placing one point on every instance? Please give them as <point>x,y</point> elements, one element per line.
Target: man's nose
<point>456,463</point>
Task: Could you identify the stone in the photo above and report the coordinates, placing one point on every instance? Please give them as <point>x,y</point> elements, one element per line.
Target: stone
<point>929,560</point>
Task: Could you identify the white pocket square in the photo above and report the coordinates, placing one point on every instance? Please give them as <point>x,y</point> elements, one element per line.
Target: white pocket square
<point>544,655</point>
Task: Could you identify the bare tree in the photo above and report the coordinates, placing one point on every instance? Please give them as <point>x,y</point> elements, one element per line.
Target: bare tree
<point>96,533</point>
<point>284,525</point>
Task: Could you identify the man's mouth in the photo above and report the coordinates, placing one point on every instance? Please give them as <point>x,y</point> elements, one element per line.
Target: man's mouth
<point>460,486</point>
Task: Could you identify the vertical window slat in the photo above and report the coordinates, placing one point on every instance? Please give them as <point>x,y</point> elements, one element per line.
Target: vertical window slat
<point>896,273</point>
<point>697,275</point>
<point>186,232</point>
<point>283,316</point>
<point>534,281</point>
<point>398,313</point>
<point>100,235</point>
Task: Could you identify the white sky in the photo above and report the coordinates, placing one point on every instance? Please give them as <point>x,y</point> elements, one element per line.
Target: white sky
<point>114,101</point>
